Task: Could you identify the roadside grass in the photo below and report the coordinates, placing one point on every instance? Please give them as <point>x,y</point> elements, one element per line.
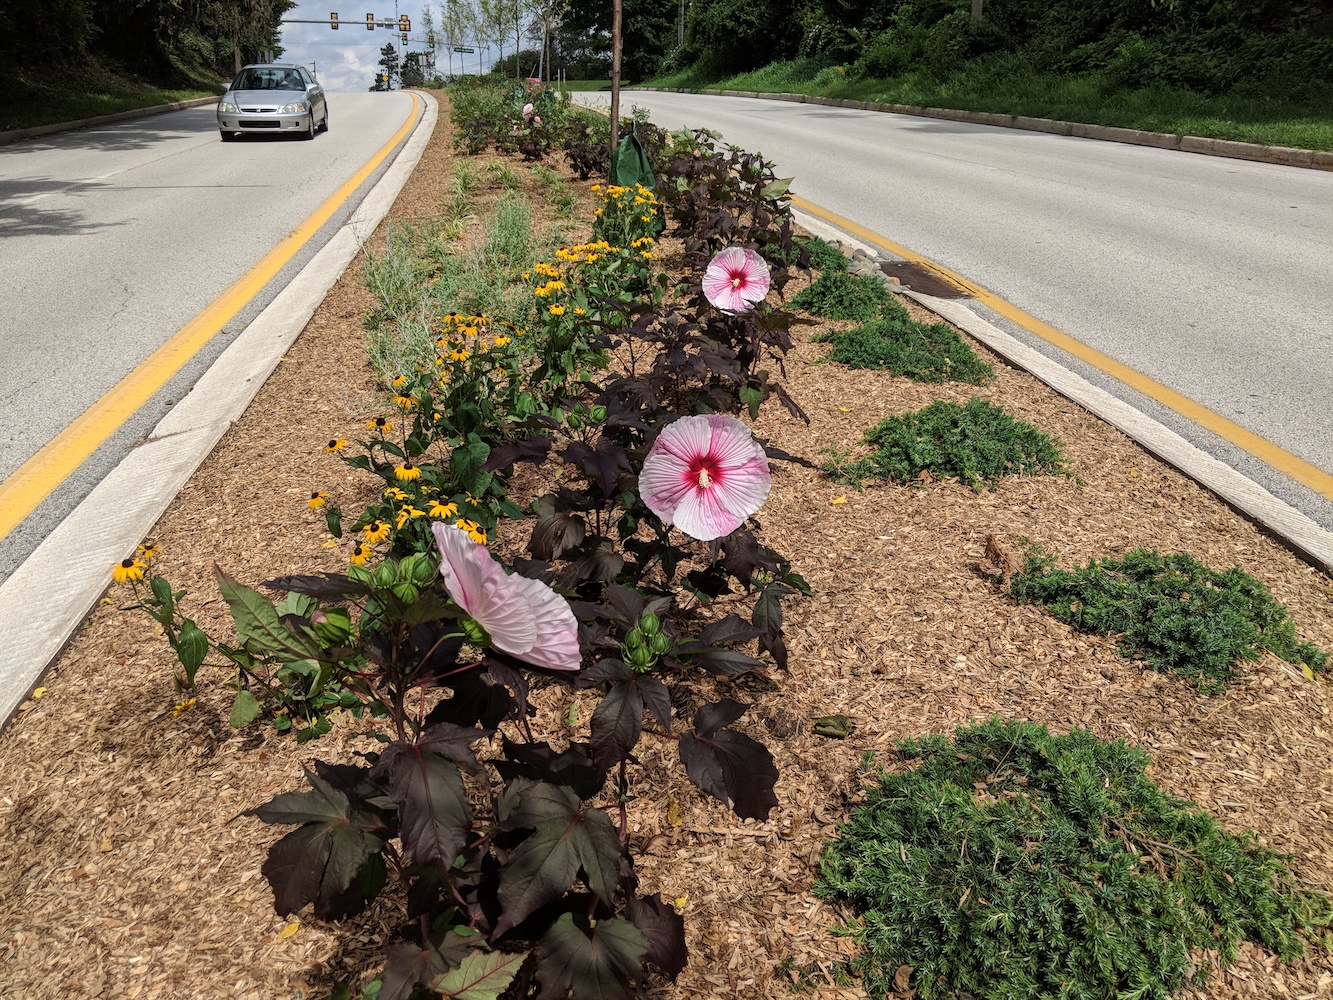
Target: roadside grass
<point>1006,85</point>
<point>49,99</point>
<point>455,262</point>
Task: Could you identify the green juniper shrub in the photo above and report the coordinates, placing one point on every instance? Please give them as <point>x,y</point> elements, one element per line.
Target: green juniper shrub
<point>921,352</point>
<point>977,442</point>
<point>824,257</point>
<point>1178,614</point>
<point>839,295</point>
<point>1010,863</point>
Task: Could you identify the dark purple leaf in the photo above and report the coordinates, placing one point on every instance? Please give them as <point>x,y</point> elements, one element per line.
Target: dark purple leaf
<point>604,465</point>
<point>599,963</point>
<point>512,679</point>
<point>617,723</point>
<point>572,767</point>
<point>710,718</point>
<point>732,628</point>
<point>607,671</point>
<point>727,662</point>
<point>502,456</point>
<point>477,698</point>
<point>664,929</point>
<point>566,838</point>
<point>733,769</point>
<point>318,861</point>
<point>434,817</point>
<point>408,965</point>
<point>330,586</point>
<point>742,555</point>
<point>767,618</point>
<point>556,531</point>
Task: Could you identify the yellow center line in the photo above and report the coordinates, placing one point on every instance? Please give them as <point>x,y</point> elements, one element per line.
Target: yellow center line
<point>39,476</point>
<point>1264,450</point>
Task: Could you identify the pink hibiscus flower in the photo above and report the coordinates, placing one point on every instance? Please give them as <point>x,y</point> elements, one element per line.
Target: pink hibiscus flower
<point>705,475</point>
<point>524,618</point>
<point>736,279</point>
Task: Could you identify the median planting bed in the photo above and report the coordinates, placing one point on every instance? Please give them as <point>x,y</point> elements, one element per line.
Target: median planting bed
<point>733,719</point>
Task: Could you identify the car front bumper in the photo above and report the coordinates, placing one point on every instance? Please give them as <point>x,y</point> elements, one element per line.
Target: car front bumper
<point>262,123</point>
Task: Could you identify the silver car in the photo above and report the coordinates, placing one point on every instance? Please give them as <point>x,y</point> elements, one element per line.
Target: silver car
<point>273,98</point>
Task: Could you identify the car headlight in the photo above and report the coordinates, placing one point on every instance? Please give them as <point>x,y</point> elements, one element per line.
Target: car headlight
<point>227,107</point>
<point>298,108</point>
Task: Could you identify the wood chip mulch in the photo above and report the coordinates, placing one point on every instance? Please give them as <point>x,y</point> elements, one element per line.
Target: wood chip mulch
<point>125,872</point>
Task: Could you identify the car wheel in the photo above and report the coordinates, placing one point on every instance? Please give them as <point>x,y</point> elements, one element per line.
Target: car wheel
<point>309,132</point>
<point>324,125</point>
<point>229,136</point>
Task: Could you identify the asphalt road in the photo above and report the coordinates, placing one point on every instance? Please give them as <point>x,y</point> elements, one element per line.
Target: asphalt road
<point>1213,276</point>
<point>112,238</point>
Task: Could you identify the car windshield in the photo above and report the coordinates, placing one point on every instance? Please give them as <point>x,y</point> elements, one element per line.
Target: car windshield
<point>267,79</point>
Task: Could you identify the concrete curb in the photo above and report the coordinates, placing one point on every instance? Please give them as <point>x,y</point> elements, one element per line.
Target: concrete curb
<point>46,599</point>
<point>1281,155</point>
<point>1275,515</point>
<point>18,135</point>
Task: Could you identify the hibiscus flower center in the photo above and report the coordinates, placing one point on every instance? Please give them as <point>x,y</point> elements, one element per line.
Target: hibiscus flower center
<point>737,280</point>
<point>703,473</point>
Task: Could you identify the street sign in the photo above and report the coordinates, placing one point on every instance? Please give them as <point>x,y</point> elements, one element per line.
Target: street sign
<point>459,48</point>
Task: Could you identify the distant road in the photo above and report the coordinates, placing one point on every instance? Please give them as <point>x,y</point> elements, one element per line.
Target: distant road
<point>112,238</point>
<point>1213,276</point>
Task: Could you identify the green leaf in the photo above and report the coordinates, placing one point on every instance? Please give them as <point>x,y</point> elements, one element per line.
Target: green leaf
<point>244,710</point>
<point>162,594</point>
<point>482,976</point>
<point>596,964</point>
<point>297,604</point>
<point>191,648</point>
<point>258,625</point>
<point>333,517</point>
<point>776,188</point>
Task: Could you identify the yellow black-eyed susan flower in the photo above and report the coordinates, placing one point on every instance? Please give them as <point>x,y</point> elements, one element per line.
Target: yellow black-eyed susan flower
<point>183,706</point>
<point>128,570</point>
<point>380,424</point>
<point>407,513</point>
<point>557,310</point>
<point>360,553</point>
<point>501,342</point>
<point>148,551</point>
<point>394,493</point>
<point>407,472</point>
<point>458,354</point>
<point>398,381</point>
<point>473,530</point>
<point>404,402</point>
<point>375,532</point>
<point>317,500</point>
<point>335,445</point>
<point>443,509</point>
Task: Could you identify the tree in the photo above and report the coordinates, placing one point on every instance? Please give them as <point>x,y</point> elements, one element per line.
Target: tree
<point>648,33</point>
<point>390,72</point>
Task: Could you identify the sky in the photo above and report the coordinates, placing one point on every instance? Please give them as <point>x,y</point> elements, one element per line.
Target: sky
<point>348,59</point>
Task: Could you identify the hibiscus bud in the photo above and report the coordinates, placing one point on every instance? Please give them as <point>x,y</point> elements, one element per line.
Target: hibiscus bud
<point>574,421</point>
<point>634,639</point>
<point>418,569</point>
<point>598,414</point>
<point>406,591</point>
<point>648,623</point>
<point>333,626</point>
<point>386,573</point>
<point>476,635</point>
<point>660,644</point>
<point>641,658</point>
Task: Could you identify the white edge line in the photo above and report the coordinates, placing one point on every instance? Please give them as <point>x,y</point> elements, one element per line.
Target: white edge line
<point>1249,497</point>
<point>45,600</point>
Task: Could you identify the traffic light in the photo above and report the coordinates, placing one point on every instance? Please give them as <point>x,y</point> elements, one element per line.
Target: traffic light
<point>333,21</point>
<point>404,23</point>
<point>370,22</point>
<point>431,41</point>
<point>404,36</point>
